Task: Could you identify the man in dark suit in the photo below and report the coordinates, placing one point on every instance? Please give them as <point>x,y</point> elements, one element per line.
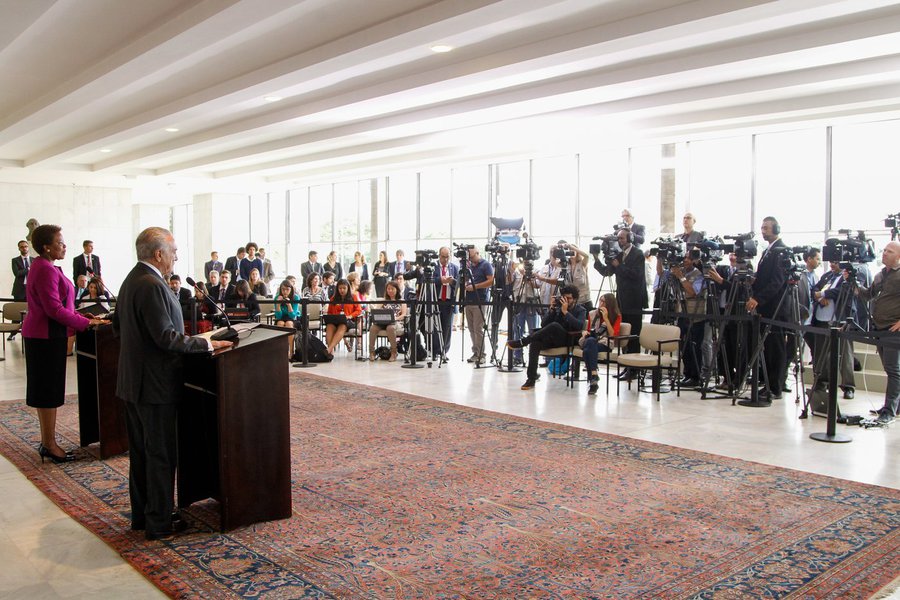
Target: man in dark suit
<point>639,231</point>
<point>86,263</point>
<point>768,288</point>
<point>233,263</point>
<point>149,323</point>
<point>631,283</point>
<point>311,266</point>
<point>398,266</point>
<point>183,295</point>
<point>214,264</point>
<point>20,266</point>
<point>223,292</point>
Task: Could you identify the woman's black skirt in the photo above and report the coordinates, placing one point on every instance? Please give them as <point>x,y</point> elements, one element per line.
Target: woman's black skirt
<point>45,371</point>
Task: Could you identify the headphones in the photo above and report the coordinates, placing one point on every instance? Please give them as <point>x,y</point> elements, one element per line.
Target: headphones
<point>630,234</point>
<point>776,227</point>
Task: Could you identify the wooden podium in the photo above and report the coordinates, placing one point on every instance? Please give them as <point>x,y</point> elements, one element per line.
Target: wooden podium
<point>101,415</point>
<point>234,429</point>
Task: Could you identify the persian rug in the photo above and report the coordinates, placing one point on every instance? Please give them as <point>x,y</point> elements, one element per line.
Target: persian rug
<point>397,496</point>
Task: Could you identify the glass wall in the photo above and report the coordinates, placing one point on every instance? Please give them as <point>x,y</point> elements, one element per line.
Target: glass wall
<point>812,180</point>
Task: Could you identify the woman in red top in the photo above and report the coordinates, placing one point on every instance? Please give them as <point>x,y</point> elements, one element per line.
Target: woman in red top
<point>603,323</point>
<point>341,304</point>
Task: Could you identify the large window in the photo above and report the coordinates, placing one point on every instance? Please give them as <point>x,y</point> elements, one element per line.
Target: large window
<point>719,183</point>
<point>470,203</point>
<point>434,204</point>
<point>603,191</point>
<point>790,179</point>
<point>403,198</point>
<point>321,224</point>
<point>511,189</point>
<point>645,181</point>
<point>865,174</point>
<point>555,193</point>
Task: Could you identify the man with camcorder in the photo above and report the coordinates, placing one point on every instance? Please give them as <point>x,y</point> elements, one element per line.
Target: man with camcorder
<point>631,283</point>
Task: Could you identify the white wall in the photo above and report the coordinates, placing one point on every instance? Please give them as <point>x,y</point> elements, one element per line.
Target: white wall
<point>103,215</point>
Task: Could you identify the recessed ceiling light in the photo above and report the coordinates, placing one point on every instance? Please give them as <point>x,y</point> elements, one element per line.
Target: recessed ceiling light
<point>272,98</point>
<point>440,48</point>
<point>172,129</point>
<point>105,150</point>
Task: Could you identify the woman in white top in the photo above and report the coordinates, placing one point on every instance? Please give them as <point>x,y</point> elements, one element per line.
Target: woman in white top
<point>393,301</point>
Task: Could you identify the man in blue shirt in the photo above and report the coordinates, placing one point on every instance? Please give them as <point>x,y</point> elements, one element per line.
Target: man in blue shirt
<point>477,295</point>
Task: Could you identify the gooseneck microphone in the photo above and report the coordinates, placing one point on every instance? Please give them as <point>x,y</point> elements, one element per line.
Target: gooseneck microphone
<point>229,333</point>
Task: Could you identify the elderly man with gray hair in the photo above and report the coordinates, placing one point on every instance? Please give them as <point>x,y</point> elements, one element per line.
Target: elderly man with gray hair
<point>149,322</point>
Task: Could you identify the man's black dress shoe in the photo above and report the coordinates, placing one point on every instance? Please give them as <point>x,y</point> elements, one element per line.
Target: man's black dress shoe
<point>689,383</point>
<point>848,394</point>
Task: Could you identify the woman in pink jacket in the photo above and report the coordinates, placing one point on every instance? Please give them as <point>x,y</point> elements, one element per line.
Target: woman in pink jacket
<point>50,319</point>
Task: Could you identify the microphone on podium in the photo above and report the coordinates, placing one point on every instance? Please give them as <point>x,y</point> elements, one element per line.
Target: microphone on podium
<point>229,333</point>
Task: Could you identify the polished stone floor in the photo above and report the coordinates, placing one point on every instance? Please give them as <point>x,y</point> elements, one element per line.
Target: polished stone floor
<point>45,554</point>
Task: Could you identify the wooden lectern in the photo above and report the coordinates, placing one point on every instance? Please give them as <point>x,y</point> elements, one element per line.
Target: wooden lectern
<point>101,415</point>
<point>234,429</point>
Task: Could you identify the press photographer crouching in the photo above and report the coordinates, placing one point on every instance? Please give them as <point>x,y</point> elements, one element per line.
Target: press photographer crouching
<point>885,296</point>
<point>627,264</point>
<point>565,318</point>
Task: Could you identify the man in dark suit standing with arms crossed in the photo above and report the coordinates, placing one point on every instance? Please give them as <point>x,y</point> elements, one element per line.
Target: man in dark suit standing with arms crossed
<point>767,291</point>
<point>20,266</point>
<point>631,283</point>
<point>148,321</point>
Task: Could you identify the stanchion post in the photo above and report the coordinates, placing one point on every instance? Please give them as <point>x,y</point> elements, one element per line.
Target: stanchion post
<point>831,435</point>
<point>412,347</point>
<point>304,333</point>
<point>754,401</point>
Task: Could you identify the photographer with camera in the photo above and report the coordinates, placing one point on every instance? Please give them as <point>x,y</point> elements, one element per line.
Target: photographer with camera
<point>826,296</point>
<point>631,284</point>
<point>766,293</point>
<point>565,319</point>
<point>525,295</point>
<point>578,273</point>
<point>477,294</point>
<point>884,294</point>
<point>690,280</point>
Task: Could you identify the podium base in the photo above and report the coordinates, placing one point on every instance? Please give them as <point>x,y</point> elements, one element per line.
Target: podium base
<point>412,366</point>
<point>837,438</point>
<point>300,365</point>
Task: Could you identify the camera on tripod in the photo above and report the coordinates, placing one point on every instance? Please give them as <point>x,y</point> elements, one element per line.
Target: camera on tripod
<point>562,252</point>
<point>461,251</point>
<point>608,246</point>
<point>743,246</point>
<point>668,250</point>
<point>425,259</point>
<point>708,252</point>
<point>891,221</point>
<point>791,259</point>
<point>495,248</point>
<point>849,251</point>
<point>529,252</point>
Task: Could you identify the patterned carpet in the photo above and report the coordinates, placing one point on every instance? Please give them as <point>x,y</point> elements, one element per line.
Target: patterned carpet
<point>396,496</point>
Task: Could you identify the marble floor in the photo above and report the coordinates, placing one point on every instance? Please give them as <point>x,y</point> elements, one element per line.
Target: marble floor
<point>45,554</point>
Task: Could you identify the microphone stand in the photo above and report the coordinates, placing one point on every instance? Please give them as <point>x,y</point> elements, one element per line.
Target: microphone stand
<point>229,333</point>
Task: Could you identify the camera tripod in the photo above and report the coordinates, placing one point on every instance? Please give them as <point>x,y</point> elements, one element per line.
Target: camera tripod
<point>670,296</point>
<point>428,318</point>
<point>737,297</point>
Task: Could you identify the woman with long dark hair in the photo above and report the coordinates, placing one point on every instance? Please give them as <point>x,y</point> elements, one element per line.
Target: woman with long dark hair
<point>245,298</point>
<point>394,302</point>
<point>603,323</point>
<point>50,319</point>
<point>380,273</point>
<point>341,305</point>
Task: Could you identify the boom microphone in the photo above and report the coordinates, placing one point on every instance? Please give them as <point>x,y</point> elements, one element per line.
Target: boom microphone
<point>229,333</point>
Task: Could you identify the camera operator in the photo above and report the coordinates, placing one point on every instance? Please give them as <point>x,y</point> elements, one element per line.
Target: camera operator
<point>564,320</point>
<point>767,291</point>
<point>690,236</point>
<point>805,289</point>
<point>825,296</point>
<point>884,294</point>
<point>501,292</point>
<point>692,328</point>
<point>638,230</point>
<point>631,286</point>
<point>733,332</point>
<point>525,290</point>
<point>445,275</point>
<point>578,273</point>
<point>549,277</point>
<point>477,292</point>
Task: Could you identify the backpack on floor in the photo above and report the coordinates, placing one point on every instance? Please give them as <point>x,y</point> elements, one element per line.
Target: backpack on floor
<point>318,352</point>
<point>558,366</point>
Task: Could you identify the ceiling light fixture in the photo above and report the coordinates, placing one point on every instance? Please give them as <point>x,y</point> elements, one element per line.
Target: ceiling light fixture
<point>441,48</point>
<point>272,98</point>
<point>172,129</point>
<point>105,150</point>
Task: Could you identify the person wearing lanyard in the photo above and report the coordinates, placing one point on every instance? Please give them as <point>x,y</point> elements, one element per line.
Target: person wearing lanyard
<point>885,296</point>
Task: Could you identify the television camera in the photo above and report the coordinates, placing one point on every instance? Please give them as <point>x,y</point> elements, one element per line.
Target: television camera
<point>742,245</point>
<point>461,251</point>
<point>849,251</point>
<point>425,259</point>
<point>668,250</point>
<point>608,246</point>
